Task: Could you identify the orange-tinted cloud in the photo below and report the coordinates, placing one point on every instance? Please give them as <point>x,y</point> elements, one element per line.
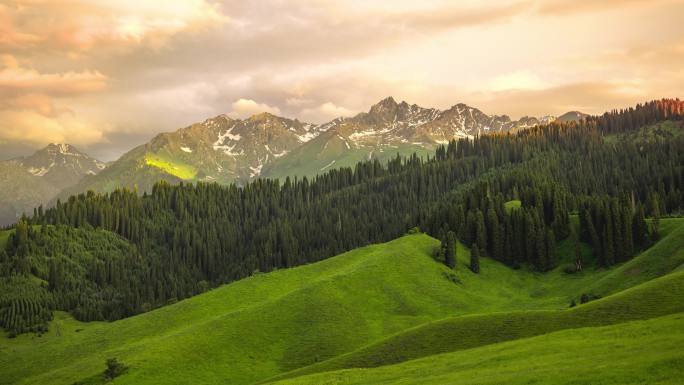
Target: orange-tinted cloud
<point>15,79</point>
<point>81,25</point>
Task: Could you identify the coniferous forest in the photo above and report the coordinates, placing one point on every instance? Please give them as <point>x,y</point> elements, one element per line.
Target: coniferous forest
<point>110,256</point>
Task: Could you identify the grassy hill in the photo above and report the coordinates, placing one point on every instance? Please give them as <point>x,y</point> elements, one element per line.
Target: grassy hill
<point>638,352</point>
<point>655,298</point>
<point>270,324</point>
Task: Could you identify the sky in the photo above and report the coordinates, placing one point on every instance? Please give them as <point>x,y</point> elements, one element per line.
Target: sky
<point>107,76</point>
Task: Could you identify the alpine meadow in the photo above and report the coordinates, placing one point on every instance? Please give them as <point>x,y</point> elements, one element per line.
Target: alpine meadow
<point>240,202</point>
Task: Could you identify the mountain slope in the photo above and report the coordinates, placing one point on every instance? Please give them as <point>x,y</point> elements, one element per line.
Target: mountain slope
<point>272,323</point>
<point>386,129</point>
<point>638,352</point>
<point>220,149</point>
<point>34,180</point>
<point>572,116</point>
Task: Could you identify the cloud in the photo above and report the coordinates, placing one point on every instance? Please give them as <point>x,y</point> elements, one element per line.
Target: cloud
<point>565,7</point>
<point>324,113</point>
<point>15,79</point>
<point>28,127</point>
<point>243,108</point>
<point>520,80</point>
<point>588,97</point>
<point>82,25</point>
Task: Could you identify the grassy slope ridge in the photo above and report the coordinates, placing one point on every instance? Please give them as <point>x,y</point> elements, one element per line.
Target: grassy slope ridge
<point>269,324</point>
<point>638,352</point>
<point>652,299</point>
<point>254,328</point>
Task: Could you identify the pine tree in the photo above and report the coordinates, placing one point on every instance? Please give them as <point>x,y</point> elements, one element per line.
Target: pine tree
<point>655,214</point>
<point>639,228</point>
<point>550,260</point>
<point>480,231</point>
<point>475,259</point>
<point>450,251</point>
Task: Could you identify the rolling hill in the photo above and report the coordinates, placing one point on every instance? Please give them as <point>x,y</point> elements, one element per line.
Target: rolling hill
<point>270,324</point>
<point>637,352</point>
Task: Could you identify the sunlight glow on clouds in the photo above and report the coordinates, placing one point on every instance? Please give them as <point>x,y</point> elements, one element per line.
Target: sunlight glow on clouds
<point>243,108</point>
<point>97,71</point>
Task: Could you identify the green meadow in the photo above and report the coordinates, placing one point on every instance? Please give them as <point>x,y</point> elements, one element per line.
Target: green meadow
<point>390,308</point>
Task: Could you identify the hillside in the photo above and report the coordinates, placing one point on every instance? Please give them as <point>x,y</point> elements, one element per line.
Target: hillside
<point>272,323</point>
<point>387,129</point>
<point>464,332</point>
<point>638,352</point>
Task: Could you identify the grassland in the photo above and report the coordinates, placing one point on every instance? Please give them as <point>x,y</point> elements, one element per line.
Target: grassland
<point>653,299</point>
<point>175,168</point>
<point>638,352</point>
<point>269,324</point>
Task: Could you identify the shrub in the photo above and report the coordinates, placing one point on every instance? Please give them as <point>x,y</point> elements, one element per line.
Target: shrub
<point>114,369</point>
<point>452,277</point>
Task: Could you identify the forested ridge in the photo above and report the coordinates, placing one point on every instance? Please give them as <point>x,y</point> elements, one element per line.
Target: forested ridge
<point>108,256</point>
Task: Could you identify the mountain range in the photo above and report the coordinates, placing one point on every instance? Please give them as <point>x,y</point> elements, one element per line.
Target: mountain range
<point>225,150</point>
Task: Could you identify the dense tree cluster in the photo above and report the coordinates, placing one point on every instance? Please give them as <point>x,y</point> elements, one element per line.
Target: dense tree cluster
<point>615,227</point>
<point>106,256</point>
<point>24,306</point>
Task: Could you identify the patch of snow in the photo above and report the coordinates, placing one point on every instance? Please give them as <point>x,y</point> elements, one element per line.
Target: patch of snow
<point>255,170</point>
<point>227,149</point>
<point>186,149</point>
<point>328,165</point>
<point>41,171</point>
<point>278,155</point>
<point>306,137</point>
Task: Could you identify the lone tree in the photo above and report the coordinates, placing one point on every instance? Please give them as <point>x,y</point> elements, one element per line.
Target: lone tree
<point>450,250</point>
<point>475,259</point>
<point>114,369</point>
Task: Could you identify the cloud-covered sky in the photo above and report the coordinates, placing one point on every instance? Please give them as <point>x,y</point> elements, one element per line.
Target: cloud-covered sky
<point>108,75</point>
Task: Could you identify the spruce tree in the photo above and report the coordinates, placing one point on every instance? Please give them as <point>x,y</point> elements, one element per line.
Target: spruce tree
<point>639,228</point>
<point>450,251</point>
<point>655,214</point>
<point>480,231</point>
<point>475,259</point>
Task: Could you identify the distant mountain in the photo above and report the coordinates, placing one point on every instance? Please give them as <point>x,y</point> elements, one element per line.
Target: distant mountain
<point>225,150</point>
<point>386,129</point>
<point>572,116</point>
<point>220,149</point>
<point>31,181</point>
